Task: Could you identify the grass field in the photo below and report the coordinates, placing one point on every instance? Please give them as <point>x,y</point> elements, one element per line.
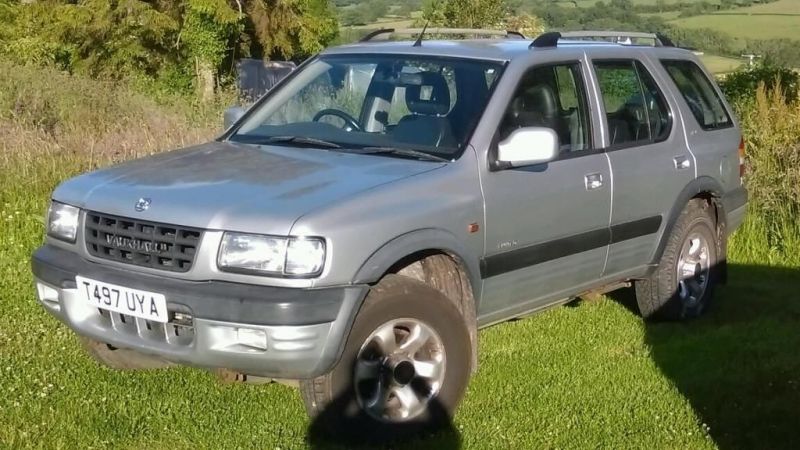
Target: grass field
<point>720,64</point>
<point>588,375</point>
<point>780,19</point>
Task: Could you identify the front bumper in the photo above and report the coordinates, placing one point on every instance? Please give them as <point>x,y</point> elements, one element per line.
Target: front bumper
<point>305,329</point>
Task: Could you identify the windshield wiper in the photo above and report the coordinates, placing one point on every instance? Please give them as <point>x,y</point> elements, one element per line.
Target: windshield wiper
<point>401,152</point>
<point>302,140</point>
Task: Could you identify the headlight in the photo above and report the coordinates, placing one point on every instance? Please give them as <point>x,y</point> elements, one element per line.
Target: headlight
<point>62,221</point>
<point>271,255</point>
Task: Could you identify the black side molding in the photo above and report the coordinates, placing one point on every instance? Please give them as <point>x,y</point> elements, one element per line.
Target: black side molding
<point>547,251</point>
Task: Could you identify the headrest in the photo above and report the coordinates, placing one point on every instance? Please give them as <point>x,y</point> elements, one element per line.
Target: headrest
<point>542,100</point>
<point>426,93</point>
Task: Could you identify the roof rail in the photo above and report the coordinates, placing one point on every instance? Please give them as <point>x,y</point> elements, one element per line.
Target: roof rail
<point>550,39</point>
<point>384,33</point>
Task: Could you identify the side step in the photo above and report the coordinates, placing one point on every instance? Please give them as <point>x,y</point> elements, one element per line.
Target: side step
<point>594,295</point>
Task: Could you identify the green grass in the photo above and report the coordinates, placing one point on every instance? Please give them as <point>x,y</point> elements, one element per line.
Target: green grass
<point>741,26</point>
<point>777,7</point>
<point>588,375</point>
<point>720,64</point>
<point>584,376</point>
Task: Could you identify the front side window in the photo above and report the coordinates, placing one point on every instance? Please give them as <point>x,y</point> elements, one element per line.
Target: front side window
<point>699,93</point>
<point>551,97</point>
<point>425,104</point>
<point>636,111</point>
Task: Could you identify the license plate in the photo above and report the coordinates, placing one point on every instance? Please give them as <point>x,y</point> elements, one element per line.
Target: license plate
<point>132,302</point>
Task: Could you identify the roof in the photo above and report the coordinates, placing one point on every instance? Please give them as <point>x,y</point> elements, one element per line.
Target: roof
<point>485,49</point>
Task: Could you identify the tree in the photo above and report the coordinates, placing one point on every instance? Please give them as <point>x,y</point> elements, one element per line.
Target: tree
<point>209,27</point>
<point>199,38</point>
<point>526,24</point>
<point>98,37</point>
<point>289,28</point>
<point>465,13</point>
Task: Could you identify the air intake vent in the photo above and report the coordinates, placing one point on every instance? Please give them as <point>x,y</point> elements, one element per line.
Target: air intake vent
<point>141,243</point>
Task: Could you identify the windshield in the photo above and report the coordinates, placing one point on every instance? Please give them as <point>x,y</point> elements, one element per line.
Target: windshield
<point>388,102</point>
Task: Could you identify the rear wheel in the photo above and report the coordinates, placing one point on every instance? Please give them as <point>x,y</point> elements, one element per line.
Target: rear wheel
<point>682,286</point>
<point>404,368</point>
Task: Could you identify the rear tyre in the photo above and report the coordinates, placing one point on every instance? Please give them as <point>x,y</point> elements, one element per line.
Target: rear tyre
<point>404,368</point>
<point>682,285</point>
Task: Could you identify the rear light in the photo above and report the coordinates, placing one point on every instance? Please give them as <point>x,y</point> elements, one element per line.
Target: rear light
<point>741,158</point>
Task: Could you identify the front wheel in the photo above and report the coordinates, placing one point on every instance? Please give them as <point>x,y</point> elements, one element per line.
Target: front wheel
<point>404,368</point>
<point>682,285</point>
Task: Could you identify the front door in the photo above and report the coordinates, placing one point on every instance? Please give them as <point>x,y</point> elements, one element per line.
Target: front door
<point>546,224</point>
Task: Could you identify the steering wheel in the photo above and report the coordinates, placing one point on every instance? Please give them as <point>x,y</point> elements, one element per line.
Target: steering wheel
<point>349,120</point>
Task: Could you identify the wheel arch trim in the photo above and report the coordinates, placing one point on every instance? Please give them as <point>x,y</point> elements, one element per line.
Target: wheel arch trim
<point>698,186</point>
<point>427,239</point>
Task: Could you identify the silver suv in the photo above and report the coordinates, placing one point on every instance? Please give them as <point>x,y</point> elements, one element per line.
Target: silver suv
<point>355,227</point>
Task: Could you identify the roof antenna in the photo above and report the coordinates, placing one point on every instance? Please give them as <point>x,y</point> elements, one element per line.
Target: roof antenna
<point>418,42</point>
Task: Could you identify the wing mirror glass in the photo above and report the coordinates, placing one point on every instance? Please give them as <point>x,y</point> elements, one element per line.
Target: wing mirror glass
<point>232,115</point>
<point>528,146</point>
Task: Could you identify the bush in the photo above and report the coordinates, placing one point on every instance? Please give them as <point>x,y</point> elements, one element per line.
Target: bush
<point>771,127</point>
<point>742,84</point>
<point>54,125</point>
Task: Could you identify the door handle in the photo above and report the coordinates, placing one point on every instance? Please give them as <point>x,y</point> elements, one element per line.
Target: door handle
<point>682,162</point>
<point>593,181</point>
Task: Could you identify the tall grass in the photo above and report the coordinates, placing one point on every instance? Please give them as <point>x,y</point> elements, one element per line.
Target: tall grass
<point>53,126</point>
<point>771,233</point>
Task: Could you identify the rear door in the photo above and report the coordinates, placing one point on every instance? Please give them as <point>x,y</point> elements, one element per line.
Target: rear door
<point>710,130</point>
<point>650,162</point>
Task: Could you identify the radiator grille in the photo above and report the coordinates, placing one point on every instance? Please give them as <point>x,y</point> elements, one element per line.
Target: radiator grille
<point>142,243</point>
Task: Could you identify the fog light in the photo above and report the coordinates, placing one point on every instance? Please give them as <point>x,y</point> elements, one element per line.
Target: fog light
<point>182,319</point>
<point>47,294</point>
<point>252,338</point>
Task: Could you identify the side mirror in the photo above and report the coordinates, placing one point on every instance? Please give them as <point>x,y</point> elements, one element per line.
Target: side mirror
<point>527,146</point>
<point>231,115</point>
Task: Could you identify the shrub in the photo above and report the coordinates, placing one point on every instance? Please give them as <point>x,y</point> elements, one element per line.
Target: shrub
<point>771,127</point>
<point>742,84</point>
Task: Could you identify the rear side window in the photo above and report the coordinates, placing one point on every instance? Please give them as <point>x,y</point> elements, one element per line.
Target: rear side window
<point>636,112</point>
<point>699,93</point>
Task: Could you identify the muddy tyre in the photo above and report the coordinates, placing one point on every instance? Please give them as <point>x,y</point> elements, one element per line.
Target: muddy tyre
<point>404,368</point>
<point>682,285</point>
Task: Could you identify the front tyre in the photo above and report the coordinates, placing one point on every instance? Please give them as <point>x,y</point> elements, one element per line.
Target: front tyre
<point>682,285</point>
<point>404,368</point>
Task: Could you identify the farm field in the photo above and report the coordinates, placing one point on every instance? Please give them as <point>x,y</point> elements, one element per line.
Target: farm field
<point>746,26</point>
<point>720,64</point>
<point>775,20</point>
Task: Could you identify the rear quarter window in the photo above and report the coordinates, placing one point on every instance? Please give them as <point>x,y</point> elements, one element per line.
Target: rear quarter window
<point>699,92</point>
